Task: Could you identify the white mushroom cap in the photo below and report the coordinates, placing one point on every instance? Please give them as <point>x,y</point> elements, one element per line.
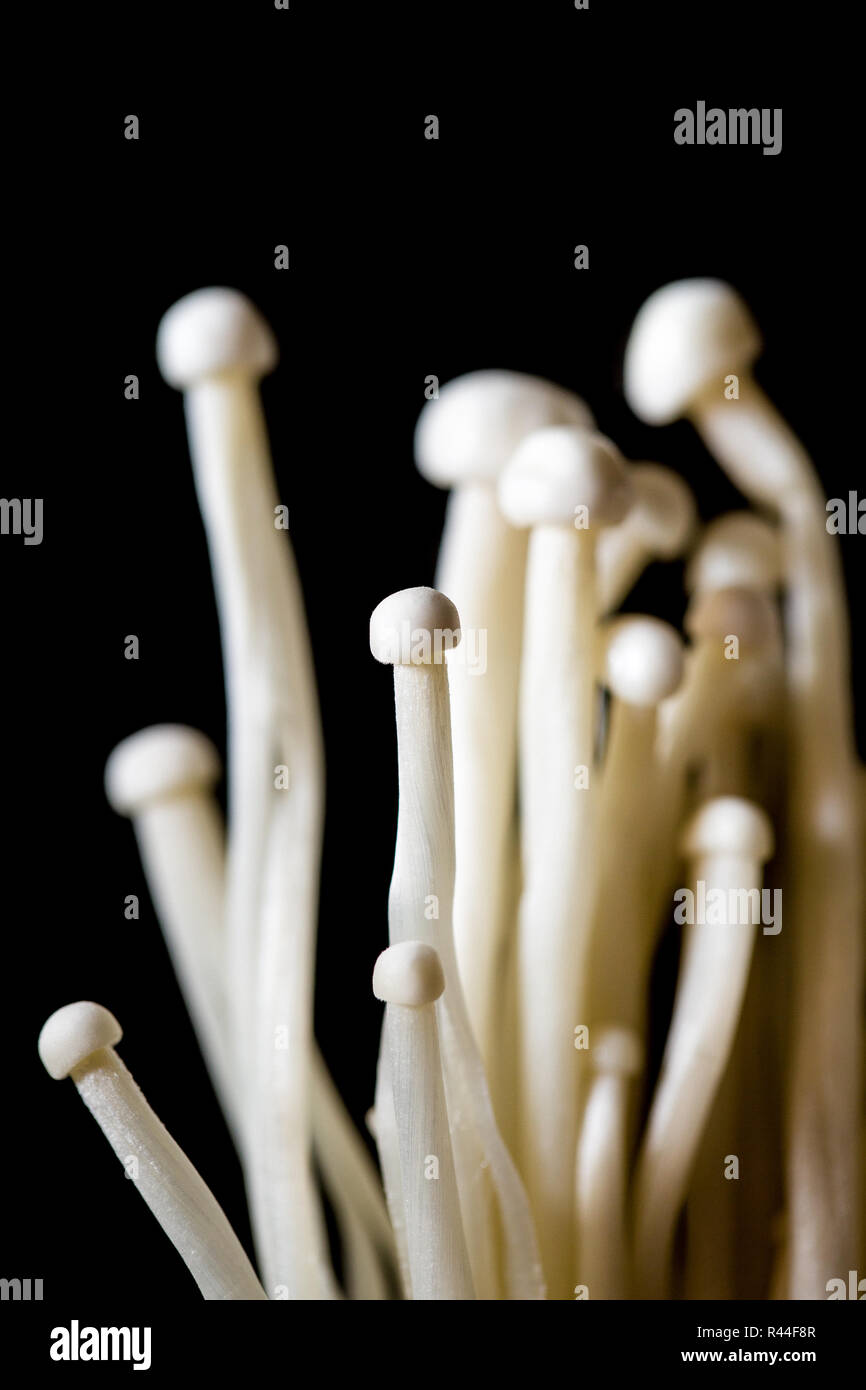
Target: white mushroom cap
<point>471,430</point>
<point>556,470</point>
<point>729,825</point>
<point>685,336</point>
<point>73,1034</point>
<point>617,1050</point>
<point>166,760</point>
<point>408,973</point>
<point>643,659</point>
<point>738,549</point>
<point>211,332</point>
<point>748,614</point>
<point>664,511</point>
<point>413,627</point>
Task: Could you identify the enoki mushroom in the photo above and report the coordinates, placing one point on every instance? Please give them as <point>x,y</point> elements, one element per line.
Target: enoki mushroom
<point>529,1147</point>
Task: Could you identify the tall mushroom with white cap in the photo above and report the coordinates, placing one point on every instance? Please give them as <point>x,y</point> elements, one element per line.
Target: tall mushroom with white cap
<point>408,978</point>
<point>78,1041</point>
<point>601,1170</point>
<point>642,665</point>
<point>463,440</point>
<point>726,843</point>
<point>688,341</point>
<point>411,630</point>
<point>566,484</point>
<point>162,778</point>
<point>215,346</point>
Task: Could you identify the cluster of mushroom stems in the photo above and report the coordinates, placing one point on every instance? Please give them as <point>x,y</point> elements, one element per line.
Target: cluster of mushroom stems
<point>551,800</point>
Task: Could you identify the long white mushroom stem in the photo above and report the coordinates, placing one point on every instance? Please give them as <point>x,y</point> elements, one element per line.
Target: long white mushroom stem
<point>643,664</point>
<point>690,343</point>
<point>162,778</point>
<point>482,562</point>
<point>463,439</point>
<point>726,843</point>
<point>566,484</point>
<point>719,698</point>
<point>78,1041</point>
<point>602,1164</point>
<point>409,979</point>
<point>215,346</point>
<point>412,629</point>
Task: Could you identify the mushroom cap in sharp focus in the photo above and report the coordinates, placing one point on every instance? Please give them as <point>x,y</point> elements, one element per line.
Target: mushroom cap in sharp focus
<point>73,1034</point>
<point>408,973</point>
<point>686,336</point>
<point>616,1050</point>
<point>749,614</point>
<point>469,432</point>
<point>166,760</point>
<point>663,511</point>
<point>414,627</point>
<point>643,659</point>
<point>729,825</point>
<point>211,332</point>
<point>557,470</point>
<point>739,549</point>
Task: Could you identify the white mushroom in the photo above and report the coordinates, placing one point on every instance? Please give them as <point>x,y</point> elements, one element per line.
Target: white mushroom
<point>617,1059</point>
<point>408,977</point>
<point>215,346</point>
<point>726,843</point>
<point>163,778</point>
<point>643,664</point>
<point>78,1041</point>
<point>566,484</point>
<point>463,440</point>
<point>412,630</point>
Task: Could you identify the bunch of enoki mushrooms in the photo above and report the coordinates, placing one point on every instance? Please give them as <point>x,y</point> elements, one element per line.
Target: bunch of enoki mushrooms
<point>556,797</point>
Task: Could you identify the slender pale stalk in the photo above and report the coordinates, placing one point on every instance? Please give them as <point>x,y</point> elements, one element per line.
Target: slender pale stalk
<point>643,665</point>
<point>215,347</point>
<point>387,1140</point>
<point>566,484</point>
<point>482,564</point>
<point>408,977</point>
<point>162,778</point>
<point>727,843</point>
<point>728,1221</point>
<point>419,908</point>
<point>78,1041</point>
<point>602,1164</point>
<point>222,417</point>
<point>463,439</point>
<point>556,739</point>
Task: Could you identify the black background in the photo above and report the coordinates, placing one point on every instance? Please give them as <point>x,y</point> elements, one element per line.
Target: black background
<point>408,258</point>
